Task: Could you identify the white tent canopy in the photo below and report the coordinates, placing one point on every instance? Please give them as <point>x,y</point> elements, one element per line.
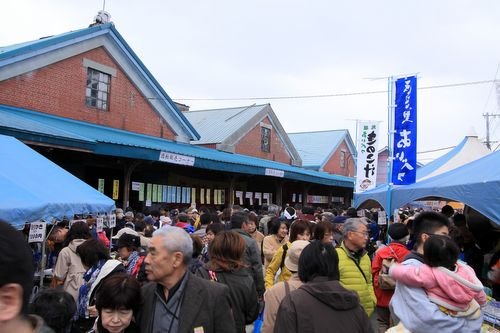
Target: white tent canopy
<point>468,150</point>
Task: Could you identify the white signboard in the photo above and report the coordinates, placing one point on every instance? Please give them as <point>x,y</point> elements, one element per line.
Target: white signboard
<point>176,158</point>
<point>100,224</point>
<point>275,173</point>
<point>258,196</point>
<point>136,186</point>
<point>382,218</point>
<point>249,195</point>
<point>37,232</point>
<point>112,220</point>
<point>396,216</point>
<point>239,196</point>
<point>366,173</point>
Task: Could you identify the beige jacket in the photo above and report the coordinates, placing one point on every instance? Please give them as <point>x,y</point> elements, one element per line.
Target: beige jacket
<point>270,245</point>
<point>69,268</point>
<point>273,298</point>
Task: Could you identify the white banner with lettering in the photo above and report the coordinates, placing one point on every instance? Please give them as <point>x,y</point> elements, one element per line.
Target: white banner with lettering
<point>176,158</point>
<point>366,175</point>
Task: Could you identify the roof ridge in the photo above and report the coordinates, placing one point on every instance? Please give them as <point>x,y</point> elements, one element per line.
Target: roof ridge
<point>321,131</point>
<point>228,108</point>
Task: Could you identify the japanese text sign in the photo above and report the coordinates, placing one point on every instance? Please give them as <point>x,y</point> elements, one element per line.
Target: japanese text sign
<point>37,232</point>
<point>176,158</point>
<point>366,173</point>
<point>404,165</point>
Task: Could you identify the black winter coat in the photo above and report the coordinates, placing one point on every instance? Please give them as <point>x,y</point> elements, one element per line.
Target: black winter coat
<point>243,294</point>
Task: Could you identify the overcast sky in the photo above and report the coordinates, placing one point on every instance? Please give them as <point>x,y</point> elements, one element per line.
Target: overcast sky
<point>263,48</point>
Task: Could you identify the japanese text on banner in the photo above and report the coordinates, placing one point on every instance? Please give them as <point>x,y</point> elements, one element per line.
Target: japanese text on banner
<point>404,165</point>
<point>366,173</point>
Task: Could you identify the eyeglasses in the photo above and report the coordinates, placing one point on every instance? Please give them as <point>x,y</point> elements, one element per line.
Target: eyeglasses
<point>364,233</point>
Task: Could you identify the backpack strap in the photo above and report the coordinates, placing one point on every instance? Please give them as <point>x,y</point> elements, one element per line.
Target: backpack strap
<point>356,263</point>
<point>394,253</point>
<point>287,288</point>
<point>283,256</point>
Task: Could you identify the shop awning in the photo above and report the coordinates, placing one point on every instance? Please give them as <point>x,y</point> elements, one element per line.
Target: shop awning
<point>34,188</point>
<point>40,127</point>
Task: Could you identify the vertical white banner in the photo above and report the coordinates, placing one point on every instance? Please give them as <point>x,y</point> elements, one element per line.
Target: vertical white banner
<point>366,174</point>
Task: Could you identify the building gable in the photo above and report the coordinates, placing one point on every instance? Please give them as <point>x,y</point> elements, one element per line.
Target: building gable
<point>251,143</point>
<point>60,89</point>
<point>341,161</point>
<point>239,130</point>
<point>19,62</point>
<point>317,149</point>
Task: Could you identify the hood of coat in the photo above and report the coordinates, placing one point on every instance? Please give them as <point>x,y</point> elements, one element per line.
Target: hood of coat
<point>331,293</point>
<point>75,243</point>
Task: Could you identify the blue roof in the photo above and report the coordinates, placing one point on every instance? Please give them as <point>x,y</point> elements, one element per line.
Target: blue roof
<point>110,141</point>
<point>315,148</point>
<point>217,125</point>
<point>17,52</point>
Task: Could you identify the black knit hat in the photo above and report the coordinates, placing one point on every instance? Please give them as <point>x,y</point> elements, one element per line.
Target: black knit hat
<point>398,231</point>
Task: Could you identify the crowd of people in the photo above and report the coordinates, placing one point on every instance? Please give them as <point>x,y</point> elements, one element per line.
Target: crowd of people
<point>297,269</point>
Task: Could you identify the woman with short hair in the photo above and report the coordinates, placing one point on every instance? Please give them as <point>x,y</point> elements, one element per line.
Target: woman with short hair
<point>299,230</point>
<point>226,266</point>
<point>117,302</point>
<point>278,236</point>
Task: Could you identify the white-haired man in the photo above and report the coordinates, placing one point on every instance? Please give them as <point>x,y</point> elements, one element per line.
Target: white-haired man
<point>176,300</point>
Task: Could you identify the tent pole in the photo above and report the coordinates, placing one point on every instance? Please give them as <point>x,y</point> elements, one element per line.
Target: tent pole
<point>390,132</point>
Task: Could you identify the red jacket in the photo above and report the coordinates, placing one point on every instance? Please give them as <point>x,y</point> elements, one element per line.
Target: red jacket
<point>384,296</point>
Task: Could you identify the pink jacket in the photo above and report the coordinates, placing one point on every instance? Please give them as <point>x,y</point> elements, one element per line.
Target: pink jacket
<point>452,290</point>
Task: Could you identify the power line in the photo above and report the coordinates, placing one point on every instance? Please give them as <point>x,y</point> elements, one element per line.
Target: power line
<point>434,150</point>
<point>355,93</point>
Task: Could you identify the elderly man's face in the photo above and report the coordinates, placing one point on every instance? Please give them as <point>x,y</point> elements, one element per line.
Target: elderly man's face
<point>159,262</point>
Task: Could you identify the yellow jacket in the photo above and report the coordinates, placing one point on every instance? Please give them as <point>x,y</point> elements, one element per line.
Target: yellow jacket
<point>274,266</point>
<point>352,279</point>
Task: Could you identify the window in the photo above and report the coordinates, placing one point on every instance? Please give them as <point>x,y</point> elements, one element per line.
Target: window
<point>342,159</point>
<point>97,92</point>
<point>265,139</point>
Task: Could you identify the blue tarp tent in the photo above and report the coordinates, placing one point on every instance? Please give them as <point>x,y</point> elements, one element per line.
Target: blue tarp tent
<point>468,150</point>
<point>476,184</point>
<point>33,188</point>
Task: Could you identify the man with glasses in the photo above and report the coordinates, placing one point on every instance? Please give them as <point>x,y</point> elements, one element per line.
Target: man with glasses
<point>354,263</point>
<point>411,305</point>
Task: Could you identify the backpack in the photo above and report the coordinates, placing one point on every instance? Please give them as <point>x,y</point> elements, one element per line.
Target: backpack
<point>385,282</point>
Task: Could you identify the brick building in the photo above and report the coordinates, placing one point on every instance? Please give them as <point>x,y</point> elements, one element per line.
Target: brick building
<point>249,130</point>
<point>86,101</point>
<point>326,151</point>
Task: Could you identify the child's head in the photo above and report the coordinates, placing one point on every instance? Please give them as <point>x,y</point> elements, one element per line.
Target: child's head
<point>440,251</point>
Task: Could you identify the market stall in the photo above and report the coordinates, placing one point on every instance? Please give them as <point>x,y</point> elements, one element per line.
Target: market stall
<point>33,188</point>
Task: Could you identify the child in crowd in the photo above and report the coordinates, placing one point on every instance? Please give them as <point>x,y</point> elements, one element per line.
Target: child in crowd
<point>449,283</point>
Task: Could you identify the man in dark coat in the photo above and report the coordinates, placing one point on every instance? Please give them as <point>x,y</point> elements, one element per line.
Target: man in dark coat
<point>176,300</point>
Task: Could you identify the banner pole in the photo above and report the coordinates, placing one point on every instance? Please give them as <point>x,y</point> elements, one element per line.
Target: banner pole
<point>390,127</point>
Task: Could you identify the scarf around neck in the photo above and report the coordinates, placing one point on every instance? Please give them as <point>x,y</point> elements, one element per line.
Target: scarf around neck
<point>83,295</point>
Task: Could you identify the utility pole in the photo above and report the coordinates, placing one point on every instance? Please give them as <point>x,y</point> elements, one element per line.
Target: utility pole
<point>487,117</point>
